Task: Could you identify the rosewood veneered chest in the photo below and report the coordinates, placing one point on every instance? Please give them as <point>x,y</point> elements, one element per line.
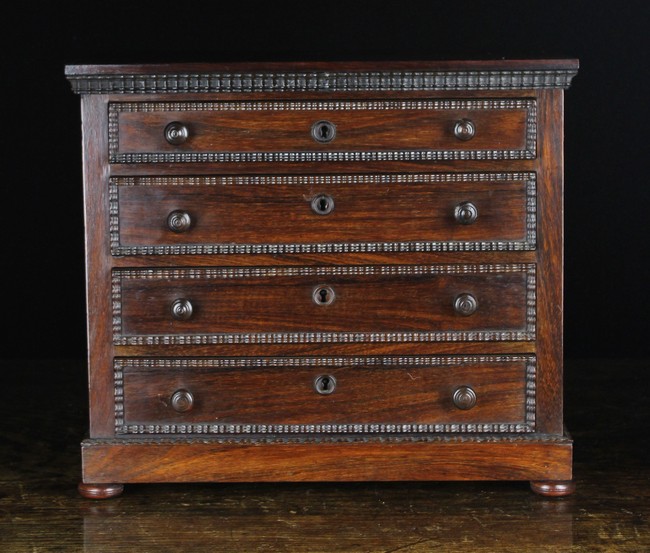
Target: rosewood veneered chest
<point>324,271</point>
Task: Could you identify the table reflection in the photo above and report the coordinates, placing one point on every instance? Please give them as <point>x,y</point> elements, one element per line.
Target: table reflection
<point>407,517</point>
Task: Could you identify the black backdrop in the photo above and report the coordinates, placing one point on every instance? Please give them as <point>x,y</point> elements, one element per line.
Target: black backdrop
<point>607,188</point>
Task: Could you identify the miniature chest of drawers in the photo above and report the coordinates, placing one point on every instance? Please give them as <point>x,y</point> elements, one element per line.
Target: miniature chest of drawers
<point>324,272</point>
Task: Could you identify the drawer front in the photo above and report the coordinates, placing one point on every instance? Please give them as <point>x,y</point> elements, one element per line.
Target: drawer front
<point>333,213</point>
<point>308,131</point>
<point>324,304</point>
<point>363,395</point>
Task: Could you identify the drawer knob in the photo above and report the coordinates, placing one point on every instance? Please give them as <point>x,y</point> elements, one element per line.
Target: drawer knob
<point>465,213</point>
<point>182,309</point>
<point>179,221</point>
<point>464,398</point>
<point>323,131</point>
<point>325,384</point>
<point>464,129</point>
<point>182,401</point>
<point>176,133</point>
<point>322,204</point>
<point>465,304</point>
<point>323,295</point>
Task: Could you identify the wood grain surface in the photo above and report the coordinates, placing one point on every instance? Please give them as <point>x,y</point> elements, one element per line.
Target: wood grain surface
<point>225,211</point>
<point>362,303</point>
<point>281,127</point>
<point>286,395</point>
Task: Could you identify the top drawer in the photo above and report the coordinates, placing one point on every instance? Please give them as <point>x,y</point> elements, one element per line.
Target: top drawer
<point>317,131</point>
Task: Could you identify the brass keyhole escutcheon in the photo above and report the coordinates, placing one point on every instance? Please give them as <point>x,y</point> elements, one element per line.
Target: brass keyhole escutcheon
<point>323,295</point>
<point>323,131</point>
<point>322,204</point>
<point>325,384</point>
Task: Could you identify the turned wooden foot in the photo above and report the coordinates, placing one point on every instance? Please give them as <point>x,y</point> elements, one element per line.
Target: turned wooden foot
<point>100,491</point>
<point>553,488</point>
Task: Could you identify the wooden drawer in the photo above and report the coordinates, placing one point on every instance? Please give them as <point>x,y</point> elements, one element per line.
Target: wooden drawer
<point>308,131</point>
<point>364,395</point>
<point>316,213</point>
<point>324,304</point>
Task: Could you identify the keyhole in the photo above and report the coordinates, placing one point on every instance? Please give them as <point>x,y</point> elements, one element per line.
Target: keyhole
<point>325,384</point>
<point>322,204</point>
<point>323,131</point>
<point>323,295</point>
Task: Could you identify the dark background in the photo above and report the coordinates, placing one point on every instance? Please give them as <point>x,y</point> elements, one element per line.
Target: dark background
<point>607,187</point>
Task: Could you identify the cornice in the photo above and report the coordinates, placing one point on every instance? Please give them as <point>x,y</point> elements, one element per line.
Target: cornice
<point>341,77</point>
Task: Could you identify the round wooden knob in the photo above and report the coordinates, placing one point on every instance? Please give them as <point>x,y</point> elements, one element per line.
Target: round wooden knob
<point>182,309</point>
<point>465,213</point>
<point>176,133</point>
<point>323,131</point>
<point>182,401</point>
<point>465,304</point>
<point>464,129</point>
<point>179,221</point>
<point>464,398</point>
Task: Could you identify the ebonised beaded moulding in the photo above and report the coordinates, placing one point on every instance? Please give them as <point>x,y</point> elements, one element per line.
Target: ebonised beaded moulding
<point>324,271</point>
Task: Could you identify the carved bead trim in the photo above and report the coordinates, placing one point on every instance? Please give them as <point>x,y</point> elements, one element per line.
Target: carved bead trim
<point>526,334</point>
<point>531,392</point>
<point>326,429</point>
<point>529,151</point>
<point>334,361</point>
<point>323,180</point>
<point>343,81</point>
<point>324,105</point>
<point>176,440</point>
<point>379,428</point>
<point>320,157</point>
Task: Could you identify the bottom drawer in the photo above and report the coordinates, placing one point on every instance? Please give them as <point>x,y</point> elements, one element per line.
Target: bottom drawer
<point>333,395</point>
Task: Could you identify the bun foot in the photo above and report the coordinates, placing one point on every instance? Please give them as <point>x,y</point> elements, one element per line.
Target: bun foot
<point>553,488</point>
<point>100,491</point>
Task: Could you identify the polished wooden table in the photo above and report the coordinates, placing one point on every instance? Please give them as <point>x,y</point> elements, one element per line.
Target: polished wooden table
<point>40,510</point>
